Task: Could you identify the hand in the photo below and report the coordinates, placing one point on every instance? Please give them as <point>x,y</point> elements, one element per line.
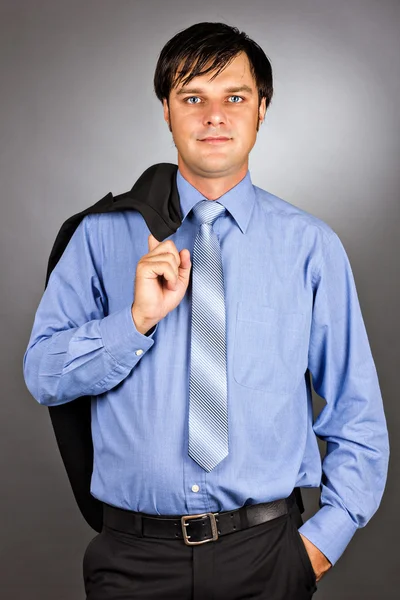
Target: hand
<point>318,560</point>
<point>162,278</point>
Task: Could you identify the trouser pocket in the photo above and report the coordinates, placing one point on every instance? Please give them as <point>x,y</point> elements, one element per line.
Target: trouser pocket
<point>303,556</point>
<point>90,552</point>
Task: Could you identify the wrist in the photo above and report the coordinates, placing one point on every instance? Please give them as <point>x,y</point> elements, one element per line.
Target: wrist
<point>142,325</point>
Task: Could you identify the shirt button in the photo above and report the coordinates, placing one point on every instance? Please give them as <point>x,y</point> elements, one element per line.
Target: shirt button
<point>195,488</point>
<point>138,352</point>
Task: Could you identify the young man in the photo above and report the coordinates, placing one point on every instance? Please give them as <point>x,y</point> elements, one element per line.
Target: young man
<point>200,375</point>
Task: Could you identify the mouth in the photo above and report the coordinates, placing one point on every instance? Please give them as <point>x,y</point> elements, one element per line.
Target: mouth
<point>216,140</point>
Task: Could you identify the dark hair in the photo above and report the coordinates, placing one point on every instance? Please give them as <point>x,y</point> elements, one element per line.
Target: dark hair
<point>201,43</point>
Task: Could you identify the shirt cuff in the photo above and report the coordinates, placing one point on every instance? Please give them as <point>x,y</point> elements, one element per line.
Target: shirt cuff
<point>330,530</point>
<point>122,340</point>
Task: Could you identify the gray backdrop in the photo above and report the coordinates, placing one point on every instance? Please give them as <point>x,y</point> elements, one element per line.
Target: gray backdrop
<point>79,119</point>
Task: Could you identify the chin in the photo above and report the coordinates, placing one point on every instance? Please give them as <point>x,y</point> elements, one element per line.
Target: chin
<point>214,162</point>
<point>217,168</point>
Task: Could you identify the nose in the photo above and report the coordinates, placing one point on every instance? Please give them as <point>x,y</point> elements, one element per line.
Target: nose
<point>214,114</point>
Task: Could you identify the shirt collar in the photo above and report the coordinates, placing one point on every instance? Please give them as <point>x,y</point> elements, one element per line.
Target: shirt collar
<point>238,201</point>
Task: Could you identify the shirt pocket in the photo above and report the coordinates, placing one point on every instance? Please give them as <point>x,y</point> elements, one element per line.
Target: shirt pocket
<point>268,348</point>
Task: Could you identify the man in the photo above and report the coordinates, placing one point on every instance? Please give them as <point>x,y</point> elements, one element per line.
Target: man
<point>200,376</point>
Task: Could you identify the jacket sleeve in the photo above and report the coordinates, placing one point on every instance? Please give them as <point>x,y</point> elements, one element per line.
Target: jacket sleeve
<point>352,422</point>
<point>75,348</point>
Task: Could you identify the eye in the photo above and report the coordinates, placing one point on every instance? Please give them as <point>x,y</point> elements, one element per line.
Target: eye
<point>238,100</point>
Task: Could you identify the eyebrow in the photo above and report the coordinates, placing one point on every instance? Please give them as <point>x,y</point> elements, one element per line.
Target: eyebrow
<point>231,90</point>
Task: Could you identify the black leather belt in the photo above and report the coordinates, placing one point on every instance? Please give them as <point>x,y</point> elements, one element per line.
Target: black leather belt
<point>195,529</point>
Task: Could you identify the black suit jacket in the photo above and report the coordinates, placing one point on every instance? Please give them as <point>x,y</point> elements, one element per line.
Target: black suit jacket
<point>155,196</point>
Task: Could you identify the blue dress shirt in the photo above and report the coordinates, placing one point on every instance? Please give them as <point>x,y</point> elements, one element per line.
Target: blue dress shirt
<point>292,313</point>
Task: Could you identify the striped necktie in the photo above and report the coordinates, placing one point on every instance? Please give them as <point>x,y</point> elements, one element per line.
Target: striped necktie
<point>208,410</point>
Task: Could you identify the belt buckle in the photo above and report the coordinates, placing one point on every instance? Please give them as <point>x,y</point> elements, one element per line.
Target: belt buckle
<point>214,529</point>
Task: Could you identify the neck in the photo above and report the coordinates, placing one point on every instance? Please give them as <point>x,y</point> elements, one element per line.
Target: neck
<point>214,187</point>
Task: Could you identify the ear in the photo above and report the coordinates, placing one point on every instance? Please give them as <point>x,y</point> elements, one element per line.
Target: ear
<point>262,110</point>
<point>166,110</point>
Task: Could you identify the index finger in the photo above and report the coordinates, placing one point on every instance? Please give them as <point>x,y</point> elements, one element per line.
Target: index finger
<point>157,247</point>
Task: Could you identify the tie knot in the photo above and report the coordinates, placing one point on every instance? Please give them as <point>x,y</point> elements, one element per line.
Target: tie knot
<point>207,211</point>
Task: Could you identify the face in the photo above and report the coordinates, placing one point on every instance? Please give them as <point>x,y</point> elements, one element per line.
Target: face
<point>224,108</point>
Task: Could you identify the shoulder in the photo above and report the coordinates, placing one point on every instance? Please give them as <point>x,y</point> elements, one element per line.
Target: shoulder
<point>98,225</point>
<point>294,219</point>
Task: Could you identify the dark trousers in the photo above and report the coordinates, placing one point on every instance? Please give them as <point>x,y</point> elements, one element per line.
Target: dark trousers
<point>265,562</point>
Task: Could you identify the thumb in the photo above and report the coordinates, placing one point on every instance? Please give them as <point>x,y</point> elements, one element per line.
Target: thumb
<point>185,266</point>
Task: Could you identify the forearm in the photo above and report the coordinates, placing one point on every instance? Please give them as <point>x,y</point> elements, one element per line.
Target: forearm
<point>88,360</point>
<point>353,480</point>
